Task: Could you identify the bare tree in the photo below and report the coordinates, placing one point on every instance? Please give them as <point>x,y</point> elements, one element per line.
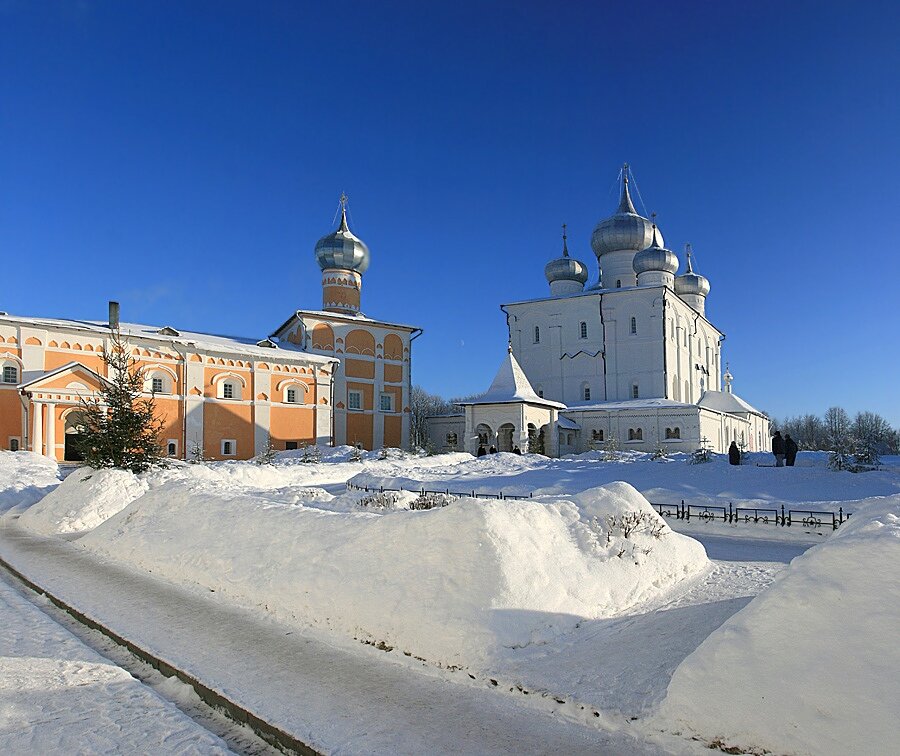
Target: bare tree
<point>423,405</point>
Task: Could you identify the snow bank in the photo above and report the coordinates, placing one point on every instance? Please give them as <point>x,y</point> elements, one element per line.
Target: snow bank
<point>83,500</point>
<point>454,585</point>
<point>25,478</point>
<point>812,664</point>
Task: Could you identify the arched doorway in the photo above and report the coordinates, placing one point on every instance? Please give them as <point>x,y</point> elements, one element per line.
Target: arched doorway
<point>484,436</point>
<point>505,437</point>
<point>74,425</point>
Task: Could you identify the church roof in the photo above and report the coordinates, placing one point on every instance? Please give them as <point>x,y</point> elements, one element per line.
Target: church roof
<point>511,386</point>
<point>201,341</point>
<point>629,404</point>
<point>725,401</point>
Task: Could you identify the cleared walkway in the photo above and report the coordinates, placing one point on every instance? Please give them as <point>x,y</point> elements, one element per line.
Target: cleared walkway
<point>335,700</point>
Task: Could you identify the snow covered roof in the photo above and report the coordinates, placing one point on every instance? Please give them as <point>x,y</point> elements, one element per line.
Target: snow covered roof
<point>566,424</point>
<point>630,404</point>
<point>345,318</point>
<point>196,340</point>
<point>511,386</point>
<point>725,401</point>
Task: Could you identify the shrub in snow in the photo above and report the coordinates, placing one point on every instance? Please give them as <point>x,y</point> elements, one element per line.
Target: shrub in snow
<point>311,455</point>
<point>196,455</point>
<point>356,453</point>
<point>431,501</point>
<point>659,452</point>
<point>611,450</point>
<point>700,456</point>
<point>381,500</point>
<point>266,456</point>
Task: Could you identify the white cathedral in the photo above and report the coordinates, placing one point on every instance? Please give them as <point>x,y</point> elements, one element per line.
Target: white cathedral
<point>630,362</point>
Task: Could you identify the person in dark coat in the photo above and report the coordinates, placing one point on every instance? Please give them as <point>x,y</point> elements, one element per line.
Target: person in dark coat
<point>492,450</point>
<point>778,449</point>
<point>734,454</point>
<point>516,450</point>
<point>481,450</point>
<point>790,450</point>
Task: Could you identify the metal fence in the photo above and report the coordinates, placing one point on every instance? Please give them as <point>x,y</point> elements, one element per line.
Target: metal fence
<point>766,515</point>
<point>701,512</point>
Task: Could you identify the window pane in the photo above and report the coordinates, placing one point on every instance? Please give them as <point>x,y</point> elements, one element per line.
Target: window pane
<point>354,400</point>
<point>228,391</point>
<point>10,374</point>
<point>292,395</point>
<point>157,385</point>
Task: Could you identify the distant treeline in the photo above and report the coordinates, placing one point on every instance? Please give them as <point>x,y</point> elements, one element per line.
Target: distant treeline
<point>836,430</point>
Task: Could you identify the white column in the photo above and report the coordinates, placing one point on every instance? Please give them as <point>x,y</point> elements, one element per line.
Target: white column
<point>37,428</point>
<point>51,431</point>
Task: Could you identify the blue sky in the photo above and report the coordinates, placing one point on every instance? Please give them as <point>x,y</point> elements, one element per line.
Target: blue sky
<point>184,158</point>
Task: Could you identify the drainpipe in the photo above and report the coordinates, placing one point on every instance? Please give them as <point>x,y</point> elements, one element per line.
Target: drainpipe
<point>412,337</point>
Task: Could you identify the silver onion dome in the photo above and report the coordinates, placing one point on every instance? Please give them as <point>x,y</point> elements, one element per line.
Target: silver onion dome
<point>690,282</point>
<point>566,268</point>
<point>341,249</point>
<point>655,257</point>
<point>624,230</point>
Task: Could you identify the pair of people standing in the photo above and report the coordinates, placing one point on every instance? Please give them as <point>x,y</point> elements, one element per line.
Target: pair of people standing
<point>784,449</point>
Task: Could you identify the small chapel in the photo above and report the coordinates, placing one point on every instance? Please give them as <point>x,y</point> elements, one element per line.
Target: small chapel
<point>631,361</point>
<point>324,376</point>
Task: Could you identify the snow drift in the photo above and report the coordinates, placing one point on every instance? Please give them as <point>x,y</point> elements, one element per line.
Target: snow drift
<point>83,500</point>
<point>25,478</point>
<point>812,664</point>
<point>454,585</point>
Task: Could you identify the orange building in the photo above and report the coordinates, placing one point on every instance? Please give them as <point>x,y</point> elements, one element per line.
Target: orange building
<point>324,376</point>
<point>218,397</point>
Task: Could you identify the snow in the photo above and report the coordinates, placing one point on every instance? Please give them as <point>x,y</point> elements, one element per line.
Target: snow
<point>454,585</point>
<point>510,385</point>
<point>59,696</point>
<point>529,600</point>
<point>83,500</point>
<point>811,664</point>
<point>25,478</point>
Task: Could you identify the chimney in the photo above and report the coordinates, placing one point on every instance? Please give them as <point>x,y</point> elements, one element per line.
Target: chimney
<point>114,316</point>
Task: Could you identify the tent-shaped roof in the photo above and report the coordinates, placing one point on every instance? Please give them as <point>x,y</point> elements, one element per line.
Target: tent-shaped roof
<point>725,401</point>
<point>510,386</point>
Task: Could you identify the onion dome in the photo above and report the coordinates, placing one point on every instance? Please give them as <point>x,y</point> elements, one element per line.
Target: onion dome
<point>566,268</point>
<point>655,258</point>
<point>341,249</point>
<point>624,230</point>
<point>690,282</point>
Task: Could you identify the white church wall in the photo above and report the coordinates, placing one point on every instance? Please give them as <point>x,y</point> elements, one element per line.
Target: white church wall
<point>446,433</point>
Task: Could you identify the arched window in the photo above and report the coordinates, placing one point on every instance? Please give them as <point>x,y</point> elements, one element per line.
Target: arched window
<point>635,392</point>
<point>673,432</point>
<point>597,435</point>
<point>634,325</point>
<point>586,392</point>
<point>635,434</point>
<point>228,386</point>
<point>10,372</point>
<point>158,380</point>
<point>293,392</point>
<point>537,335</point>
<point>582,330</point>
<point>618,284</point>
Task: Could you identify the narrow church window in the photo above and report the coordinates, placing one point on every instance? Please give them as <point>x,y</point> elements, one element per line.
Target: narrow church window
<point>587,393</point>
<point>634,325</point>
<point>583,330</point>
<point>14,444</point>
<point>537,335</point>
<point>172,448</point>
<point>292,396</point>
<point>10,374</point>
<point>229,448</point>
<point>618,284</point>
<point>635,394</point>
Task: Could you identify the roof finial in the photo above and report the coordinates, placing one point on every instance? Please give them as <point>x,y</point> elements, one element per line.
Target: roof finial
<point>728,378</point>
<point>343,200</point>
<point>565,245</point>
<point>509,347</point>
<point>625,203</point>
<point>688,253</point>
<point>655,242</point>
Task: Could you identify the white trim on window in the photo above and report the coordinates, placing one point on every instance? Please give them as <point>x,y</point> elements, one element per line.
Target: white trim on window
<point>386,402</point>
<point>172,447</point>
<point>10,373</point>
<point>354,400</point>
<point>229,447</point>
<point>14,444</point>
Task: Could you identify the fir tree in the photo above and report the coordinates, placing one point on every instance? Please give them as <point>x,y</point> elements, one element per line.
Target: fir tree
<point>119,428</point>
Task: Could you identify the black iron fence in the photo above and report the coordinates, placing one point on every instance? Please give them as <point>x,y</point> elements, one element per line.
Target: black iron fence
<point>446,491</point>
<point>700,512</point>
<point>766,515</point>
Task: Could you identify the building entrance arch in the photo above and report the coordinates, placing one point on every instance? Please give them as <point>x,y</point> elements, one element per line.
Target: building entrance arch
<point>505,437</point>
<point>74,427</point>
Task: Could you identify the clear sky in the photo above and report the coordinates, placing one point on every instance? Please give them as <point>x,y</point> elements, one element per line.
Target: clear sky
<point>184,157</point>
